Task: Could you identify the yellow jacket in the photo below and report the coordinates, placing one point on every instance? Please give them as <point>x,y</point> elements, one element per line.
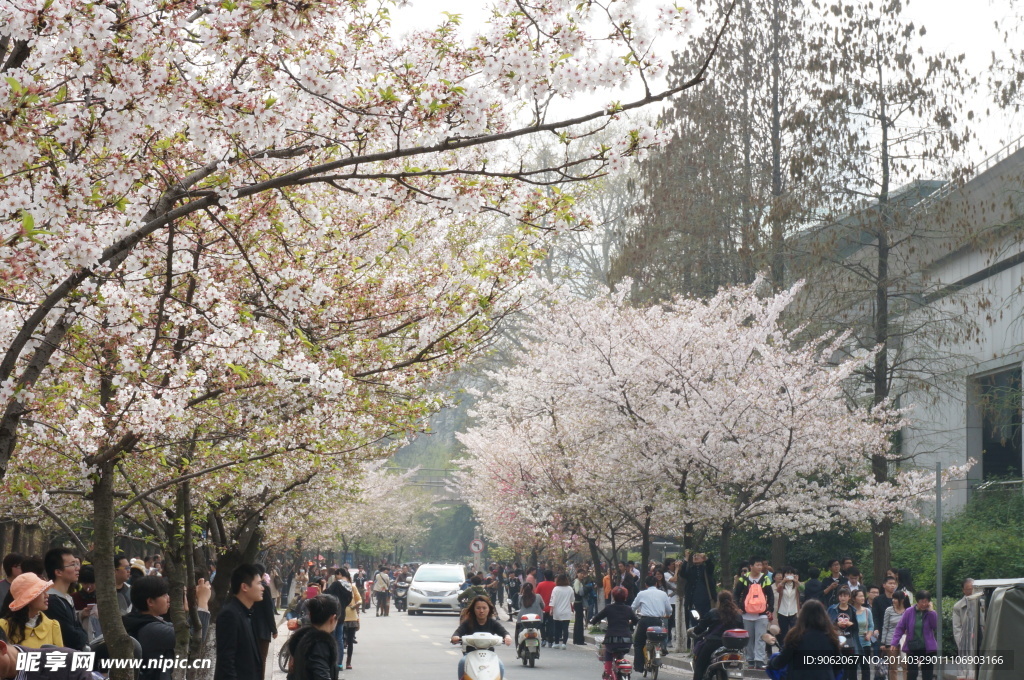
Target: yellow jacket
<point>46,632</point>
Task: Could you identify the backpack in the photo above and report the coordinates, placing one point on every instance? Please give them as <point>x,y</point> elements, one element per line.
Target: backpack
<point>755,601</point>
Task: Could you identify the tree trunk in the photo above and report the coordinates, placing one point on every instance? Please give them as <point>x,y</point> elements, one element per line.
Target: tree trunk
<point>778,266</point>
<point>595,557</point>
<point>778,556</point>
<point>11,419</point>
<point>882,550</point>
<point>16,538</point>
<point>725,556</point>
<point>645,550</point>
<point>176,581</point>
<point>242,551</point>
<point>114,634</point>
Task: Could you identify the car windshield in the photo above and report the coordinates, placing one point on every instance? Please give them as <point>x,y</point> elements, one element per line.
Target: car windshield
<point>439,575</point>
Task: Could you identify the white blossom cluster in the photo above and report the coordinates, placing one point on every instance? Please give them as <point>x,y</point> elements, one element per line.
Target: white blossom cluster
<point>707,412</point>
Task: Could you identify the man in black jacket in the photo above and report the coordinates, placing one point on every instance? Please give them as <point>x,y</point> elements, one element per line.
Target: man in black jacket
<point>264,620</point>
<point>700,585</point>
<point>150,602</point>
<point>62,568</point>
<point>238,654</point>
<point>341,589</point>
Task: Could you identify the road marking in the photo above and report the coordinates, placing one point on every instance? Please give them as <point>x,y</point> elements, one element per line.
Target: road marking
<point>425,636</point>
<point>437,644</point>
<point>452,653</point>
<point>415,630</point>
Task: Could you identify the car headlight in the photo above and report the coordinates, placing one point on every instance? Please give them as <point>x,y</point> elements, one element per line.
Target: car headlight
<point>454,592</point>
<point>416,590</point>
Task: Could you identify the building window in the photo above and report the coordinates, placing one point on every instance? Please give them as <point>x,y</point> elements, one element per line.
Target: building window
<point>999,401</point>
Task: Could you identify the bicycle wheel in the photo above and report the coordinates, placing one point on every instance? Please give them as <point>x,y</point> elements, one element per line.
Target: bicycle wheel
<point>282,658</point>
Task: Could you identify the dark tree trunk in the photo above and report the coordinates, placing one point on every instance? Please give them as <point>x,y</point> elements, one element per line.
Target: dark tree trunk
<point>725,556</point>
<point>778,555</point>
<point>645,550</point>
<point>880,530</point>
<point>242,550</point>
<point>595,557</point>
<point>778,266</point>
<point>116,637</point>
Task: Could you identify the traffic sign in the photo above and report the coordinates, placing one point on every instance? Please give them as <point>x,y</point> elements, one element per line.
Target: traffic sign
<point>476,546</point>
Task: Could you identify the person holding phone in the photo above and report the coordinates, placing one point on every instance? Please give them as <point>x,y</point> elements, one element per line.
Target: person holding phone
<point>832,584</point>
<point>787,600</point>
<point>700,585</point>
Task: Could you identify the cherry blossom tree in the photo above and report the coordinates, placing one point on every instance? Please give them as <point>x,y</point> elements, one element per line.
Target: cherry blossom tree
<point>262,120</point>
<point>551,480</point>
<point>203,202</point>
<point>749,427</point>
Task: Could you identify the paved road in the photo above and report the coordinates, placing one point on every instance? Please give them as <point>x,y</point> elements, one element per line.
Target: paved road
<point>416,647</point>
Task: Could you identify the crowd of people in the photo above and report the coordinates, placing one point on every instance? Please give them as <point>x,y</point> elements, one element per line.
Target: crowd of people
<point>51,601</point>
<point>893,621</point>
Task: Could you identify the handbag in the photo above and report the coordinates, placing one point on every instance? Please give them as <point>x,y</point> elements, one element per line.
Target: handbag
<point>352,625</point>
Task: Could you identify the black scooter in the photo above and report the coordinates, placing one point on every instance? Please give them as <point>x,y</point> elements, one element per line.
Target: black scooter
<point>402,596</point>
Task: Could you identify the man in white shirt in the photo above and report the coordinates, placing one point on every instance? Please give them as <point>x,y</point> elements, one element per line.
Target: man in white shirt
<point>652,606</point>
<point>853,579</point>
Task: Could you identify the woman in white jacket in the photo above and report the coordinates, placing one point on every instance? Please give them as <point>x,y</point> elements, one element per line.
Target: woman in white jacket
<point>562,597</point>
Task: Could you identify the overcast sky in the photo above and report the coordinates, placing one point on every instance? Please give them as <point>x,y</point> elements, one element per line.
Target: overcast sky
<point>953,26</point>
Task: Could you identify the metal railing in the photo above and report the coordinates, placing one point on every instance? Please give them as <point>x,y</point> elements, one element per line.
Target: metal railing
<point>932,199</point>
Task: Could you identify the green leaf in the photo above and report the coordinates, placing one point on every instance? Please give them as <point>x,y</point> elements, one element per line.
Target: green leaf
<point>15,85</point>
<point>302,338</point>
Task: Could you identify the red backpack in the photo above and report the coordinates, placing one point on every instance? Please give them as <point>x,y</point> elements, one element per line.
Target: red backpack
<point>755,601</point>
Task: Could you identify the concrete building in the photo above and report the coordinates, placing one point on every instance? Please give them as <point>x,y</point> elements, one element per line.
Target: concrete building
<point>955,296</point>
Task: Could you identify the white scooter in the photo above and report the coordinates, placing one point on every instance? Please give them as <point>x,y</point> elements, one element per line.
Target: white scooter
<point>481,659</point>
<point>528,640</point>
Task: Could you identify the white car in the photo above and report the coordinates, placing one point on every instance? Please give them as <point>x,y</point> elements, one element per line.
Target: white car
<point>435,588</point>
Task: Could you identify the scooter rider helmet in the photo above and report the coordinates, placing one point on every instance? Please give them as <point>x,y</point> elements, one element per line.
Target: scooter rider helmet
<point>619,594</point>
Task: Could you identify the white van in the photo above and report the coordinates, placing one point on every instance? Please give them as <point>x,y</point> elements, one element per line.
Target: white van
<point>435,588</point>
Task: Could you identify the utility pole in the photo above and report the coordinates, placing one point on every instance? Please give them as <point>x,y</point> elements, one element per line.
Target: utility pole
<point>476,556</point>
<point>938,561</point>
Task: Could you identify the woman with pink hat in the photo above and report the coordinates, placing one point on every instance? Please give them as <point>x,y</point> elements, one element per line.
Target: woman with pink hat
<point>23,620</point>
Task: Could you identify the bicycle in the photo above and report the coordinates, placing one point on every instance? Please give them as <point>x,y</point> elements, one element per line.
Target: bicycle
<point>656,636</point>
<point>283,657</point>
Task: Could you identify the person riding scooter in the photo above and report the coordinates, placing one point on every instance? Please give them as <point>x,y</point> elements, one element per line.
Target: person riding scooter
<point>621,619</point>
<point>708,631</point>
<point>479,617</point>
